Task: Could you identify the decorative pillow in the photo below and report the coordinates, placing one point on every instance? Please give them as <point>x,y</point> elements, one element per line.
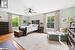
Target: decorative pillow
<point>34,25</point>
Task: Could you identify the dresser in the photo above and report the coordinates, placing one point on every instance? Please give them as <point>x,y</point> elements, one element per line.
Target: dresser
<point>41,29</point>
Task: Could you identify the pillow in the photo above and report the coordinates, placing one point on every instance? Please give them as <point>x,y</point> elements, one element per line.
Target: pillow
<point>30,24</point>
<point>22,26</point>
<point>34,25</point>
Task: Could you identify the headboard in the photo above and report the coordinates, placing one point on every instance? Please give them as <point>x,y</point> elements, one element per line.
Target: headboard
<point>35,21</point>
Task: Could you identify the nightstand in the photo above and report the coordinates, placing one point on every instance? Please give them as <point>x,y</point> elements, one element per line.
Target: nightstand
<point>40,29</point>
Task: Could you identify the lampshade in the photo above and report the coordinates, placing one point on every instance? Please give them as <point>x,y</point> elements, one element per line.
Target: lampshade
<point>70,19</point>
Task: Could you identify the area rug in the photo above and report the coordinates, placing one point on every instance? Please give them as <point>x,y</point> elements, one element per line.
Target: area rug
<point>39,41</point>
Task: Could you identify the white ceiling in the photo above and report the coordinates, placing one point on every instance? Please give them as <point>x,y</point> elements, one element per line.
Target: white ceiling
<point>40,6</point>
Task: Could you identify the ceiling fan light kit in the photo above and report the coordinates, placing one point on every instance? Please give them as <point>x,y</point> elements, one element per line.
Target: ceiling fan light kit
<point>29,10</point>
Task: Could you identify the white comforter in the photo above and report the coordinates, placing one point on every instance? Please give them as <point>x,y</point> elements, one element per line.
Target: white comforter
<point>31,27</point>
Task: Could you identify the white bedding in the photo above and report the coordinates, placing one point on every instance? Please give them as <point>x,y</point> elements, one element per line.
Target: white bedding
<point>31,27</point>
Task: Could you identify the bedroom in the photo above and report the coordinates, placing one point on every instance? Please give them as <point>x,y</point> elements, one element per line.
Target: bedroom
<point>43,28</point>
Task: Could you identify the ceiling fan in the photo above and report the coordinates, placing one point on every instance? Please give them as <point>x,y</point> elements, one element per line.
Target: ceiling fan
<point>29,10</point>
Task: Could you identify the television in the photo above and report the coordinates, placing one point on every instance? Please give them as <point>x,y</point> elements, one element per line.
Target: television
<point>4,28</point>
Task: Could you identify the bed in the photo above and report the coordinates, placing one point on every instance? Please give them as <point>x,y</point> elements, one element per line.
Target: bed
<point>30,28</point>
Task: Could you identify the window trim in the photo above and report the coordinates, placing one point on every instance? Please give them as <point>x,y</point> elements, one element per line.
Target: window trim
<point>52,22</point>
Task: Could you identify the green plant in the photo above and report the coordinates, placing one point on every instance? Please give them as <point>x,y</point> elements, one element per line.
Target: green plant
<point>15,21</point>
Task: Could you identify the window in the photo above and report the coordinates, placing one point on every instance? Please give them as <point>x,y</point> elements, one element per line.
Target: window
<point>3,3</point>
<point>50,22</point>
<point>15,21</point>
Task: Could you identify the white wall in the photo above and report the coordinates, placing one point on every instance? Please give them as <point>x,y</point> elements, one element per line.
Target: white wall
<point>4,16</point>
<point>64,14</point>
<point>37,17</point>
<point>22,18</point>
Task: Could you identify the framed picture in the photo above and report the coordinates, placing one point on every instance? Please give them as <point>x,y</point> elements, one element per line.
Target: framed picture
<point>72,25</point>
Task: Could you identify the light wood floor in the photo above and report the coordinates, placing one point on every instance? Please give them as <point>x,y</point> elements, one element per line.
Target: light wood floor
<point>39,41</point>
